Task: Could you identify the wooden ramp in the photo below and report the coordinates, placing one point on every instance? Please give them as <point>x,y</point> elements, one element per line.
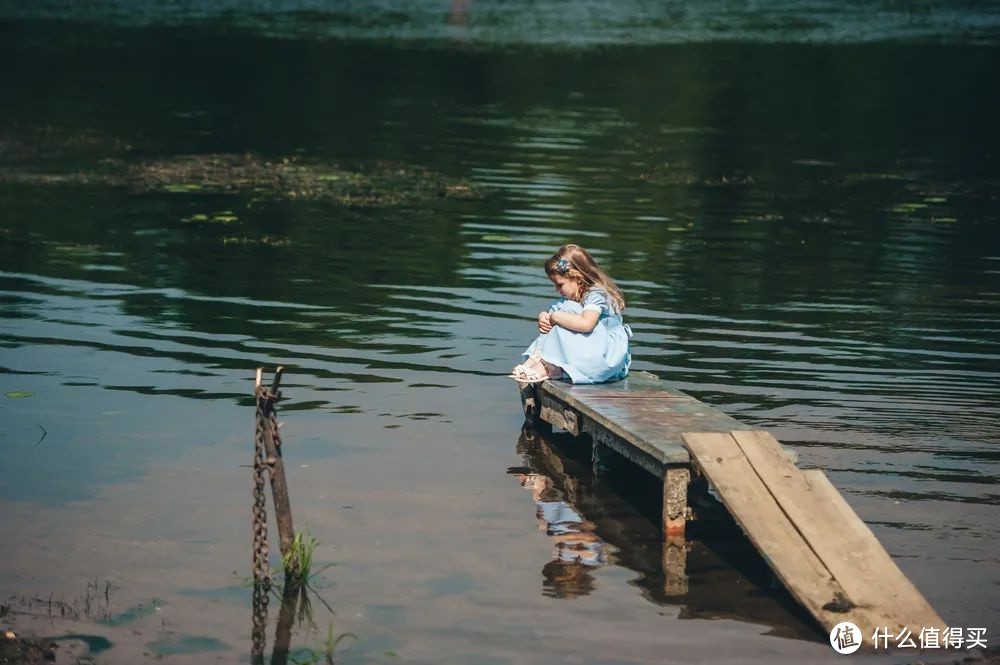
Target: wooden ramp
<point>814,542</point>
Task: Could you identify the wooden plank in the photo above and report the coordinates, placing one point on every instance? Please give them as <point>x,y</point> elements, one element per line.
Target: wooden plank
<point>603,437</point>
<point>646,386</point>
<point>645,412</point>
<point>590,397</point>
<point>909,606</point>
<point>749,501</point>
<point>625,422</point>
<point>848,549</point>
<point>641,417</point>
<point>555,413</point>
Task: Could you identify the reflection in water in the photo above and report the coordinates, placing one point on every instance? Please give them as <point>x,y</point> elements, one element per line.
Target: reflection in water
<point>295,611</point>
<point>613,519</point>
<point>577,547</point>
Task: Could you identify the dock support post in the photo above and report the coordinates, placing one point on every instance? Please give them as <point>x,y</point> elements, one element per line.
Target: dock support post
<point>675,486</point>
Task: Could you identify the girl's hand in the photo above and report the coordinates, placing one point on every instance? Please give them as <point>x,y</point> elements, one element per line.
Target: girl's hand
<point>544,322</point>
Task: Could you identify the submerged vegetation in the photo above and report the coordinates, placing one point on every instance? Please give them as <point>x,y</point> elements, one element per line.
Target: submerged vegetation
<point>46,156</point>
<point>292,178</point>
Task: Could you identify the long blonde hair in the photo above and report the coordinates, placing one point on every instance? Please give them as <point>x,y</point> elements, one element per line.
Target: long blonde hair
<point>583,269</point>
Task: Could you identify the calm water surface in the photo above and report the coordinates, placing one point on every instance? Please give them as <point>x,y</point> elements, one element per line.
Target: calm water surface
<point>807,234</point>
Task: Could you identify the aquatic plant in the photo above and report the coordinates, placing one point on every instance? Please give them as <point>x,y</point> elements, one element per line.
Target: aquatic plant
<point>297,561</point>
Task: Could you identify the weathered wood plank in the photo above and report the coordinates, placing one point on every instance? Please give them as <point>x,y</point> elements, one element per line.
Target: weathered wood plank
<point>641,417</point>
<point>615,421</point>
<point>637,383</point>
<point>630,397</point>
<point>902,599</point>
<point>848,548</point>
<point>623,446</point>
<point>554,412</point>
<point>643,411</point>
<point>749,501</point>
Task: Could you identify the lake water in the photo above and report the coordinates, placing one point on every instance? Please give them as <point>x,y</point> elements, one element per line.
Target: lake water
<point>799,202</point>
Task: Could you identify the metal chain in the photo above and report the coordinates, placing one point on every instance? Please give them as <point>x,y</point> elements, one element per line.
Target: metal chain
<point>261,568</point>
<point>273,423</point>
<point>258,635</point>
<point>260,559</point>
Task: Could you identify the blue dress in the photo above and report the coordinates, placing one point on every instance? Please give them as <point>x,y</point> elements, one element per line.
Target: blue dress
<point>595,357</point>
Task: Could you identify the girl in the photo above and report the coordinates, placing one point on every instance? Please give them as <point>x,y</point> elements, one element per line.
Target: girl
<point>582,335</point>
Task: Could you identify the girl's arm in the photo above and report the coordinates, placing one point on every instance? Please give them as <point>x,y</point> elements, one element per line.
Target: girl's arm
<point>583,323</point>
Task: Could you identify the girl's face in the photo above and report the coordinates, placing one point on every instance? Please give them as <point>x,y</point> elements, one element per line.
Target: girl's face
<point>567,288</point>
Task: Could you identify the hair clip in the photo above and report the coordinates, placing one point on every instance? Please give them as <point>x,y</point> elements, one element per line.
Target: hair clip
<point>562,266</point>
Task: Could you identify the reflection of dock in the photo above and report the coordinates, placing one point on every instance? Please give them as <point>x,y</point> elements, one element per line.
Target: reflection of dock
<point>719,576</point>
<point>816,545</point>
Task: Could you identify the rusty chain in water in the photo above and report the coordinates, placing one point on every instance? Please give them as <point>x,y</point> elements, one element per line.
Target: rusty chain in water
<point>261,572</point>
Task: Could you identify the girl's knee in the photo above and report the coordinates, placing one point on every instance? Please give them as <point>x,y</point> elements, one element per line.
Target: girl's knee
<point>570,306</point>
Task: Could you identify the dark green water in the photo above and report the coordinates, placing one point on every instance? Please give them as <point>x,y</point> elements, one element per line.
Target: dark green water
<point>806,233</point>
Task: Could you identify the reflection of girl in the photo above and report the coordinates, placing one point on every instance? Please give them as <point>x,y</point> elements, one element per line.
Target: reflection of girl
<point>574,537</point>
<point>576,544</point>
<point>566,580</point>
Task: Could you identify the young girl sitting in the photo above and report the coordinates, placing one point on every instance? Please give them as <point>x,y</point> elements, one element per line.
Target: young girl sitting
<point>582,335</point>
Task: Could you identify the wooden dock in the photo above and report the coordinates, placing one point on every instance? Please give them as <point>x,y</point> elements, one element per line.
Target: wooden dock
<point>822,552</point>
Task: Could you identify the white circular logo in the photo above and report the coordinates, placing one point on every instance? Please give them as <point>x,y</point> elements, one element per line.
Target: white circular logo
<point>845,637</point>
